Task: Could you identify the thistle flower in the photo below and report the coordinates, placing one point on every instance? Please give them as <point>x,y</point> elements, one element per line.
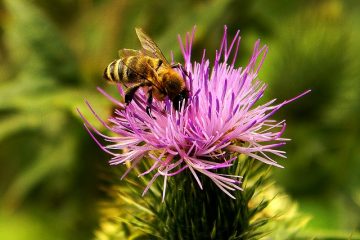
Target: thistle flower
<point>219,122</point>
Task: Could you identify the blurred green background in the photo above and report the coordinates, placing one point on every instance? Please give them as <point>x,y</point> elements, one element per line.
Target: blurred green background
<point>52,55</point>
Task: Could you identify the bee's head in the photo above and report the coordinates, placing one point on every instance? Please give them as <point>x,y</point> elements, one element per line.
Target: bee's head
<point>180,99</point>
<point>174,86</point>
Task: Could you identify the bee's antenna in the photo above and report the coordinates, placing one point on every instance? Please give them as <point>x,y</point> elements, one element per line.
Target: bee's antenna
<point>181,67</point>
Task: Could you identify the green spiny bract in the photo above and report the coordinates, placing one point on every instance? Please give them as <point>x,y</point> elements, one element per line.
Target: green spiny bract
<point>191,213</point>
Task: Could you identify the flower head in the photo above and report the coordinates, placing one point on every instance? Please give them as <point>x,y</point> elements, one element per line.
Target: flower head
<point>220,121</point>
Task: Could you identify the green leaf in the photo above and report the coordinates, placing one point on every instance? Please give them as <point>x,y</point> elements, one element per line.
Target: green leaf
<point>38,51</point>
<point>55,155</point>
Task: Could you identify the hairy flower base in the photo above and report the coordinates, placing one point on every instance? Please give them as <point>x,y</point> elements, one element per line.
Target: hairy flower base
<point>219,122</point>
<point>261,210</point>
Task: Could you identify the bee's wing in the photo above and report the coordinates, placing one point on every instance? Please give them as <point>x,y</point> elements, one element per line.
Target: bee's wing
<point>150,48</point>
<point>128,52</point>
<point>141,74</point>
<point>123,53</point>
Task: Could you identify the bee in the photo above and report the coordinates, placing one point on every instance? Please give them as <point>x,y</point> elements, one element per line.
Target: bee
<point>148,68</point>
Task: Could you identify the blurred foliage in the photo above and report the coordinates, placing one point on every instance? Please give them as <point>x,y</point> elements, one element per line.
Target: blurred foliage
<point>52,55</point>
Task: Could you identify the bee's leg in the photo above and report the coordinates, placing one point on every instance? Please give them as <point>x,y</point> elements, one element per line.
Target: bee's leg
<point>149,102</point>
<point>130,92</point>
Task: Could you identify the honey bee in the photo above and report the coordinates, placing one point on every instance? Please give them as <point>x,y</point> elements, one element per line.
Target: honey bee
<point>148,68</point>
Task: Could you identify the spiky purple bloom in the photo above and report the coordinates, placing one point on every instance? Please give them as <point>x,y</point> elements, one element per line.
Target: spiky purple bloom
<point>219,122</point>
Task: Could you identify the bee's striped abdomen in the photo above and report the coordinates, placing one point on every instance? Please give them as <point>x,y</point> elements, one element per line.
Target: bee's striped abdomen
<point>113,72</point>
<point>126,70</point>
